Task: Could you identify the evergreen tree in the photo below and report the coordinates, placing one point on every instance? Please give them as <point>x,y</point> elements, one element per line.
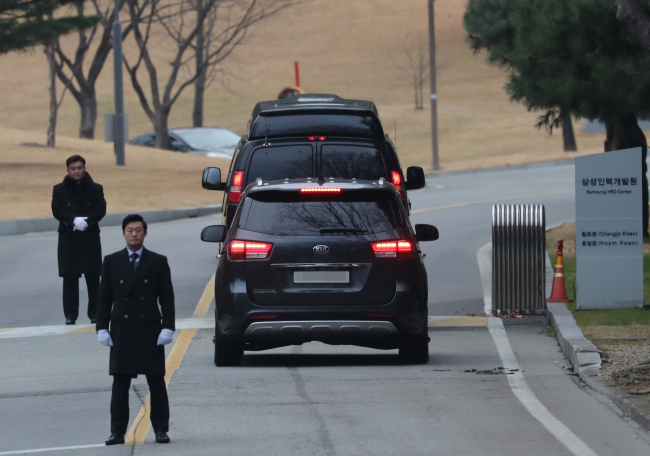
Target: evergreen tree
<point>26,23</point>
<point>568,57</point>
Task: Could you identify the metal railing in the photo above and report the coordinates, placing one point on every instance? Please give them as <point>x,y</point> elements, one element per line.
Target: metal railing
<point>518,258</point>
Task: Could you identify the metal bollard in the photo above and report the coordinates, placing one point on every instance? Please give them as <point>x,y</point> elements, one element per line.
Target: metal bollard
<point>518,258</point>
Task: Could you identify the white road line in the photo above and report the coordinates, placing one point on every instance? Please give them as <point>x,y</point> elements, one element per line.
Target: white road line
<point>44,450</point>
<point>516,379</point>
<point>526,396</point>
<point>484,257</point>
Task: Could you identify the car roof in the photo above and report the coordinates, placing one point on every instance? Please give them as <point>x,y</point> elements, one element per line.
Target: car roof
<point>295,185</point>
<point>313,101</point>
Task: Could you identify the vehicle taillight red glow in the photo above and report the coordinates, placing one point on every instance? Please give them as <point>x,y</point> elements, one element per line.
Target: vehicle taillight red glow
<point>314,138</point>
<point>248,250</point>
<point>235,188</point>
<point>392,249</point>
<point>379,315</point>
<point>322,138</point>
<point>320,190</point>
<point>396,179</point>
<point>311,138</point>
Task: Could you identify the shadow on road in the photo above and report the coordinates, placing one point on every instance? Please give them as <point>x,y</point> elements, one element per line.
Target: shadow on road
<point>320,360</point>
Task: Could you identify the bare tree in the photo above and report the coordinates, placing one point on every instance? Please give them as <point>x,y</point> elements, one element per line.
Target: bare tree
<point>223,25</point>
<point>631,14</point>
<point>416,66</point>
<point>216,39</point>
<point>54,105</point>
<point>82,82</point>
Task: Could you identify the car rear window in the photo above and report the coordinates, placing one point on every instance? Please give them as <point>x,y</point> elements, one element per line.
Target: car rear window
<point>272,163</point>
<point>351,161</point>
<point>333,123</point>
<point>302,216</point>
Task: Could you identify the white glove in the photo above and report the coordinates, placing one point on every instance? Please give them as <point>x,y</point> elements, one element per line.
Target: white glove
<point>104,338</point>
<point>80,223</point>
<point>165,337</point>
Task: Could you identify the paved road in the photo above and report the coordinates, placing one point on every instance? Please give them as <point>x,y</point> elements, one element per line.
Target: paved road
<point>317,399</point>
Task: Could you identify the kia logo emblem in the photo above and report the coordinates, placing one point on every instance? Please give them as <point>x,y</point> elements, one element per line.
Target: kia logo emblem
<point>321,249</point>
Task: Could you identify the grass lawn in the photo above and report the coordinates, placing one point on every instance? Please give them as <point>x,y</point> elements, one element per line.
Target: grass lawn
<point>153,179</point>
<point>350,48</point>
<point>607,323</point>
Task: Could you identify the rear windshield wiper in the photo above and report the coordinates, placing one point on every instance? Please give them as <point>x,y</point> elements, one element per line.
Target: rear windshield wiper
<point>342,230</point>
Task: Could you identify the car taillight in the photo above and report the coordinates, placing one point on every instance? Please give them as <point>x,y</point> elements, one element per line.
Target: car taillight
<point>249,250</point>
<point>314,138</point>
<point>392,249</point>
<point>235,188</point>
<point>396,179</point>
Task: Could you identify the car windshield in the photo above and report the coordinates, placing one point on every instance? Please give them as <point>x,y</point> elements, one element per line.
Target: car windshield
<point>352,161</point>
<point>273,163</point>
<point>302,217</point>
<point>209,138</point>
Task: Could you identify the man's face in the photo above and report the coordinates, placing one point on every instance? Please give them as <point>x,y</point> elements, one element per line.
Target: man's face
<point>77,170</point>
<point>134,234</point>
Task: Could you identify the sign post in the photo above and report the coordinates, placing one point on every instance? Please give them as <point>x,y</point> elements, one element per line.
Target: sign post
<point>609,230</point>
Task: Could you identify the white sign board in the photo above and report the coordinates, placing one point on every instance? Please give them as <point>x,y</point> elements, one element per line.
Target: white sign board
<point>609,230</point>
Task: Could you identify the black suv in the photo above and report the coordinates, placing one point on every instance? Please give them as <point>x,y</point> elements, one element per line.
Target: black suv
<point>312,135</point>
<point>330,260</point>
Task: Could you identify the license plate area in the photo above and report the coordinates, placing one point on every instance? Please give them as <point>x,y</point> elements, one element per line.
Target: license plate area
<point>324,277</point>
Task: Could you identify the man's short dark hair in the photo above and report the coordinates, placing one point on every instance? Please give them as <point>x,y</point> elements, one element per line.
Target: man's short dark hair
<point>75,159</point>
<point>133,218</point>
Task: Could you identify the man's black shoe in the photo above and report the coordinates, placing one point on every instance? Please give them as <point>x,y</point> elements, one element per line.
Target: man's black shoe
<point>93,320</point>
<point>115,439</point>
<point>162,437</point>
<point>69,321</point>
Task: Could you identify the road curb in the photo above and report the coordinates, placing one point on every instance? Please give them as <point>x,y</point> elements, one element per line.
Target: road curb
<point>13,227</point>
<point>582,353</point>
<point>585,357</point>
<point>635,407</point>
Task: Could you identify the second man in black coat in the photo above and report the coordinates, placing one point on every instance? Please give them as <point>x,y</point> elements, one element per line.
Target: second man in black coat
<point>78,204</point>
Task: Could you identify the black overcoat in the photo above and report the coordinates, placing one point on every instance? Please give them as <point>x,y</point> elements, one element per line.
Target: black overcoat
<point>129,302</point>
<point>79,252</point>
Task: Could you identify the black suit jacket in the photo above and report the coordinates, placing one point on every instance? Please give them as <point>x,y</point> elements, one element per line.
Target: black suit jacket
<point>79,252</point>
<point>129,307</point>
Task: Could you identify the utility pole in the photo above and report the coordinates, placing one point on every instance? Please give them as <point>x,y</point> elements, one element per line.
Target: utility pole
<point>118,118</point>
<point>434,95</point>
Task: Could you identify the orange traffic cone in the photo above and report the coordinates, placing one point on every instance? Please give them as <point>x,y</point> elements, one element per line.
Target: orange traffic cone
<point>558,292</point>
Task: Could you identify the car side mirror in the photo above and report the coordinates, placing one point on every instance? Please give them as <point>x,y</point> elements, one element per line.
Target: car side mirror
<point>426,233</point>
<point>414,178</point>
<point>212,179</point>
<point>214,233</point>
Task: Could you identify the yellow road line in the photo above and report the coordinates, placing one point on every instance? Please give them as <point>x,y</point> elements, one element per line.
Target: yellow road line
<point>6,329</point>
<point>458,321</point>
<point>435,208</point>
<point>86,330</point>
<point>142,422</point>
<point>206,299</point>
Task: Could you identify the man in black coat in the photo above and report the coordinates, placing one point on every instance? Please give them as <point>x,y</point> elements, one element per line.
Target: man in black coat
<point>78,204</point>
<point>134,281</point>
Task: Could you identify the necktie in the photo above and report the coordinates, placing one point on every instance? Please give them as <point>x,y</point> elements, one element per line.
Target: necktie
<point>134,261</point>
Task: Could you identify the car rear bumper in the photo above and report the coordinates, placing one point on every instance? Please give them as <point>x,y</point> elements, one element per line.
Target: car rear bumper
<point>319,327</point>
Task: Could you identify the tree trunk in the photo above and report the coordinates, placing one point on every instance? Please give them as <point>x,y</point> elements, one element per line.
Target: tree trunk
<point>161,128</point>
<point>567,133</point>
<point>54,104</point>
<point>199,84</point>
<point>623,132</point>
<point>88,107</point>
